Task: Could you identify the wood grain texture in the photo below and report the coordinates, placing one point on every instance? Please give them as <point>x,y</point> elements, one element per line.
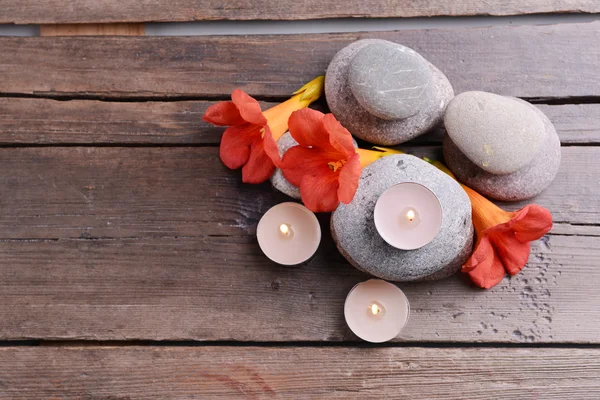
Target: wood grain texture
<point>224,288</point>
<point>92,30</point>
<point>75,192</point>
<point>44,121</point>
<point>89,11</point>
<point>524,61</point>
<point>299,373</point>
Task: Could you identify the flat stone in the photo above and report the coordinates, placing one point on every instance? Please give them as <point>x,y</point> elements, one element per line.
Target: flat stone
<point>360,122</point>
<point>354,231</point>
<point>278,181</point>
<point>390,81</point>
<point>526,183</point>
<point>285,142</point>
<point>499,134</point>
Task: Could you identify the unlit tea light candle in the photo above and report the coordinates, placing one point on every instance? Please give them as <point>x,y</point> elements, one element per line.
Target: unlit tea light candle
<point>376,310</point>
<point>408,216</point>
<point>289,233</point>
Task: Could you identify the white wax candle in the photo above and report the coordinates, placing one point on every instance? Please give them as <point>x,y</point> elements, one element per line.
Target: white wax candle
<point>408,216</point>
<point>289,233</point>
<point>376,310</point>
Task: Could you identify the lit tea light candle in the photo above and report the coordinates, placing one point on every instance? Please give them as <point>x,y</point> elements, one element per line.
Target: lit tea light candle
<point>376,310</point>
<point>289,233</point>
<point>408,216</point>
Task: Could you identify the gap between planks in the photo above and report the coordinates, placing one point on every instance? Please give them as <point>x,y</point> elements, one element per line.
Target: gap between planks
<point>130,11</point>
<point>294,344</point>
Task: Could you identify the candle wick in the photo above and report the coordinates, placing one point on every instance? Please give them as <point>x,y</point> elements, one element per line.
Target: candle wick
<point>285,229</point>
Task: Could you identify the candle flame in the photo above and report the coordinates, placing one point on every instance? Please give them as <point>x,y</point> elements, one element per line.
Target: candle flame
<point>284,229</point>
<point>410,215</point>
<point>376,309</point>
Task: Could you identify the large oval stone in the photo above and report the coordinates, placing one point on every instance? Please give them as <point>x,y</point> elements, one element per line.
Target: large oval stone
<point>390,81</point>
<point>353,227</point>
<point>497,133</point>
<point>523,184</point>
<point>364,125</point>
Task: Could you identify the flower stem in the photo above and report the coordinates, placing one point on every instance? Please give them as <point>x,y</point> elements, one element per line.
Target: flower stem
<point>370,156</point>
<point>278,116</point>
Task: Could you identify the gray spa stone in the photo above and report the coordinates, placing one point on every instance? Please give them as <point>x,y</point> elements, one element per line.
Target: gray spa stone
<point>390,81</point>
<point>526,183</point>
<point>499,134</point>
<point>360,122</point>
<point>354,232</point>
<point>277,179</point>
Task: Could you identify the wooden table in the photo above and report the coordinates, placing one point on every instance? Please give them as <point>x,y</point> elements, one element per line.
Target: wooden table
<point>129,268</point>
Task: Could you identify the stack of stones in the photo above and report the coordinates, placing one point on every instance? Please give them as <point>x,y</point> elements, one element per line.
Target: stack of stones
<point>387,94</point>
<point>502,147</point>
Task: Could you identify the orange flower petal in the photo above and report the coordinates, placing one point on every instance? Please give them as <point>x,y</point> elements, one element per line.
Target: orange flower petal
<point>484,268</point>
<point>488,275</point>
<point>319,193</point>
<point>235,144</point>
<point>513,253</point>
<point>348,179</point>
<point>339,137</point>
<point>306,127</point>
<point>299,162</point>
<point>271,147</point>
<point>483,251</point>
<point>259,166</point>
<point>531,223</point>
<point>223,113</point>
<point>248,107</point>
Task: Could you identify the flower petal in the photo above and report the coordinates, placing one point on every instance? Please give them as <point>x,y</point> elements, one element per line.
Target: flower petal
<point>271,147</point>
<point>319,193</point>
<point>224,113</point>
<point>513,253</point>
<point>259,166</point>
<point>531,223</point>
<point>348,179</point>
<point>339,137</point>
<point>306,127</point>
<point>484,267</point>
<point>248,107</point>
<point>483,251</point>
<point>235,144</point>
<point>299,162</point>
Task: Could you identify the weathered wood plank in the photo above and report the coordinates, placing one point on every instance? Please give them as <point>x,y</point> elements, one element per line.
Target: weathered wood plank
<point>88,11</point>
<point>224,288</point>
<point>298,373</point>
<point>44,121</point>
<point>124,192</point>
<point>54,192</point>
<point>92,30</point>
<point>524,61</point>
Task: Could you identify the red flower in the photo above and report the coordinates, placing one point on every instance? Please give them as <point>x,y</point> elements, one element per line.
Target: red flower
<point>250,140</point>
<point>502,239</point>
<point>247,140</point>
<point>325,164</point>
